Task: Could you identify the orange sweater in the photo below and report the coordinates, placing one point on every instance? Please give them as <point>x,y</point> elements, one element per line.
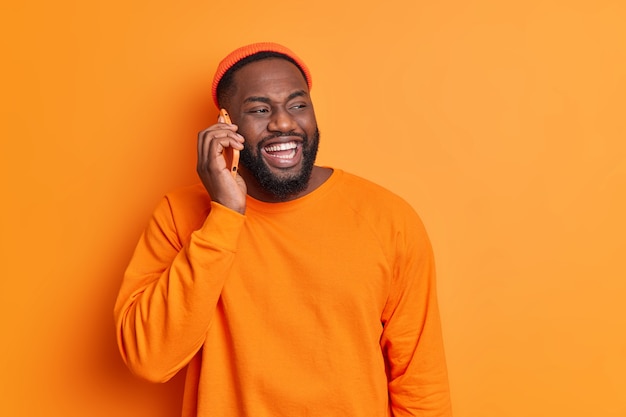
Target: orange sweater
<point>323,306</point>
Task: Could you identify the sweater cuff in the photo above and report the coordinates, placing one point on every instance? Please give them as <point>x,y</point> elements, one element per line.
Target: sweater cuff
<point>221,228</point>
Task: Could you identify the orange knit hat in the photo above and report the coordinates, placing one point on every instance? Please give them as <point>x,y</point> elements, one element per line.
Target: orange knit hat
<point>245,51</point>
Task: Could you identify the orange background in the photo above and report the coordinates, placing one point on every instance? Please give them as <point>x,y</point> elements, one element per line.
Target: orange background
<point>502,122</point>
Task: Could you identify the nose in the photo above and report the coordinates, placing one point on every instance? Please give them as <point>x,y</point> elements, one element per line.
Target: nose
<point>281,121</point>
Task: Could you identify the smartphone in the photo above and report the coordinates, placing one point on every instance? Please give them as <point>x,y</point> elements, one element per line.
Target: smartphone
<point>231,155</point>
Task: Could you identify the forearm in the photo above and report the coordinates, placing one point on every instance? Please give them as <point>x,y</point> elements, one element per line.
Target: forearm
<point>163,311</point>
<point>412,339</point>
<point>420,387</point>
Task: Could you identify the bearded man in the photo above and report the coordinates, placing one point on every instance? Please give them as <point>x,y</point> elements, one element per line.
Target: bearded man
<point>288,289</point>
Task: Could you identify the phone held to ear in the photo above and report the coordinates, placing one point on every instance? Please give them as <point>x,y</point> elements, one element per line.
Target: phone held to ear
<point>231,155</point>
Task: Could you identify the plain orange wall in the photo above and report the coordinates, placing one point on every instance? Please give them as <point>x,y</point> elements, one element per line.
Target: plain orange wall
<point>502,122</point>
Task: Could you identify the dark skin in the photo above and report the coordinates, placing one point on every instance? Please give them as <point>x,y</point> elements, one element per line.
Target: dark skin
<point>269,98</point>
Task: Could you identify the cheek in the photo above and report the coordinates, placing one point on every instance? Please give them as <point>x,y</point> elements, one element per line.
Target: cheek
<point>308,124</point>
<point>252,132</point>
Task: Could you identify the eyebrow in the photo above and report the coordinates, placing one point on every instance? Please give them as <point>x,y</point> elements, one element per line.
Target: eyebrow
<point>262,99</point>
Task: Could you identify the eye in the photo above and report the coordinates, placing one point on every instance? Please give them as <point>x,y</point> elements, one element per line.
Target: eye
<point>258,111</point>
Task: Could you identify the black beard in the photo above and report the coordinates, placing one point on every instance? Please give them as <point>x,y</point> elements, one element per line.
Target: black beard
<point>282,188</point>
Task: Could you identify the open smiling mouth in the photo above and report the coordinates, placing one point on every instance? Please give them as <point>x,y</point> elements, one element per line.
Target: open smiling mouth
<point>283,151</point>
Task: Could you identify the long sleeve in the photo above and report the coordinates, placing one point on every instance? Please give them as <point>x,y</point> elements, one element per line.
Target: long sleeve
<point>412,338</point>
<point>171,288</point>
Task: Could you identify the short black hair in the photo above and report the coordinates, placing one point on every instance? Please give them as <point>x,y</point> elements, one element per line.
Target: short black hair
<point>226,82</point>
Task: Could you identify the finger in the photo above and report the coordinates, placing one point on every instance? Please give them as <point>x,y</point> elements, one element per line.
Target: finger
<point>211,134</point>
<point>203,143</point>
<point>220,125</point>
<point>222,130</point>
<point>211,144</point>
<point>216,146</point>
<point>200,147</point>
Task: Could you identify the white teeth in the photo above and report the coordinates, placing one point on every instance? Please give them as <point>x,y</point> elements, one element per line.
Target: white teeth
<point>288,156</point>
<point>281,147</point>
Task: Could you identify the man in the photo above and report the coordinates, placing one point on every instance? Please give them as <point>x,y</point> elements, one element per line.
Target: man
<point>290,289</point>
